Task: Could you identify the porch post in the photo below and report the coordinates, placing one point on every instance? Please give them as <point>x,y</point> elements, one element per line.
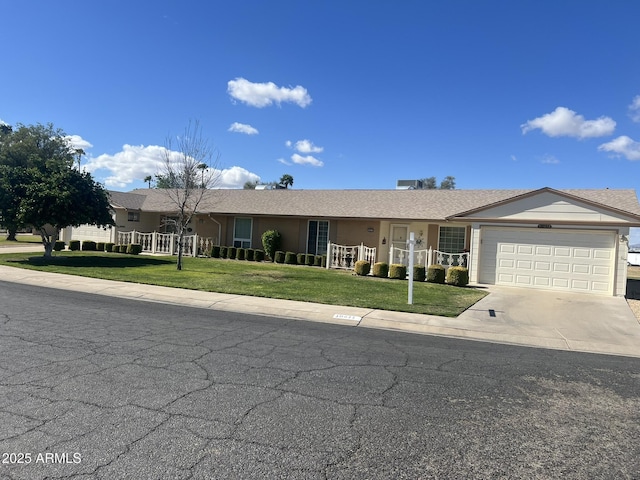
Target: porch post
<point>328,255</point>
<point>172,243</point>
<point>154,241</point>
<point>429,255</point>
<point>195,245</point>
<point>390,254</point>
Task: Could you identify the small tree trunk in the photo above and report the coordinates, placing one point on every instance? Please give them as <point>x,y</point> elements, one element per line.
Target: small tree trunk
<point>49,241</point>
<point>11,235</point>
<point>180,243</point>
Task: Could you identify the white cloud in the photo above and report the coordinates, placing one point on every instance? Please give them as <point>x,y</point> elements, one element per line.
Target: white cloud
<point>235,177</point>
<point>76,141</point>
<point>265,94</point>
<point>634,109</point>
<point>308,160</point>
<point>563,122</point>
<point>243,128</point>
<point>135,162</point>
<point>283,161</point>
<point>624,146</point>
<point>304,146</point>
<point>549,160</point>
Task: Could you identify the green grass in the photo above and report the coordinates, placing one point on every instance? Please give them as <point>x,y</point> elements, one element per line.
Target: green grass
<point>309,284</point>
<point>21,238</point>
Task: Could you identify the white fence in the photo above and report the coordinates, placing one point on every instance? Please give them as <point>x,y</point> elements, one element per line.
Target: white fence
<point>345,257</point>
<point>428,257</point>
<point>167,243</point>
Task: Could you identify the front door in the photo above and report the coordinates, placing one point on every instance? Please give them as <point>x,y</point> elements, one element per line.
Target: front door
<point>399,234</point>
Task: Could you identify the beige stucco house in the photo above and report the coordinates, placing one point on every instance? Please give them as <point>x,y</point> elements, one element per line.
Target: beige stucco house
<point>570,240</point>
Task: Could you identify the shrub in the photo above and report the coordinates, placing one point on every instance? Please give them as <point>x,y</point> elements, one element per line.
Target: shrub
<point>381,269</point>
<point>241,254</point>
<point>134,249</point>
<point>310,259</point>
<point>435,274</point>
<point>74,245</point>
<point>398,271</point>
<point>258,255</point>
<point>122,248</point>
<point>290,258</point>
<point>458,276</point>
<point>301,258</point>
<point>223,252</point>
<point>231,252</point>
<point>59,245</point>
<point>279,256</point>
<point>108,247</point>
<point>318,260</point>
<point>250,253</point>
<point>419,273</point>
<point>362,267</point>
<point>271,241</point>
<point>100,246</point>
<point>88,246</point>
<point>215,251</point>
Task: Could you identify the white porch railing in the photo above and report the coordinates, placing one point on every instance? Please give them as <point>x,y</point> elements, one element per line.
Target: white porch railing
<point>167,243</point>
<point>345,257</point>
<point>428,257</point>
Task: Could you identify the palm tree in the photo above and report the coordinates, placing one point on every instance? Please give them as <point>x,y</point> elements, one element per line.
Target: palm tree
<point>202,167</point>
<point>148,179</point>
<point>286,180</point>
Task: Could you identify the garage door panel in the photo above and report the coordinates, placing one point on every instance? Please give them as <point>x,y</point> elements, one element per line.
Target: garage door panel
<point>543,250</point>
<point>602,270</point>
<point>577,260</point>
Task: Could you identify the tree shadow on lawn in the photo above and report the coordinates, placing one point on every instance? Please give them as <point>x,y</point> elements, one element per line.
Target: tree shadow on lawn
<point>95,261</point>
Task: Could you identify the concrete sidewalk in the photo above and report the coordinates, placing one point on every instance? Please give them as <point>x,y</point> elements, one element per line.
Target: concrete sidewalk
<point>507,315</point>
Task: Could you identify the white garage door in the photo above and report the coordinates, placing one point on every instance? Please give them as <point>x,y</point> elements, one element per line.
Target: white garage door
<point>570,260</point>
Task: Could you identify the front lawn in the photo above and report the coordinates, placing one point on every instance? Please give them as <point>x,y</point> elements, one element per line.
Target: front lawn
<point>309,284</point>
<point>21,239</point>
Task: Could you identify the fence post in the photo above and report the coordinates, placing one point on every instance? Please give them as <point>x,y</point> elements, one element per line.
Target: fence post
<point>429,256</point>
<point>361,252</point>
<point>154,241</point>
<point>327,266</point>
<point>412,243</point>
<point>172,243</point>
<point>195,249</point>
<point>390,254</point>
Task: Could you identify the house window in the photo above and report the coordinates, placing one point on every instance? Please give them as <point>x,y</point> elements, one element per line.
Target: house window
<point>242,232</point>
<point>317,237</point>
<point>133,216</point>
<point>169,224</point>
<point>451,239</point>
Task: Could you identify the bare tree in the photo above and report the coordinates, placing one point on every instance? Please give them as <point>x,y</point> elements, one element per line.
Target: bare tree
<point>190,171</point>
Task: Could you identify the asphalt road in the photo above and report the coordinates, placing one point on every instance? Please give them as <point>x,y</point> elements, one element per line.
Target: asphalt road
<point>96,387</point>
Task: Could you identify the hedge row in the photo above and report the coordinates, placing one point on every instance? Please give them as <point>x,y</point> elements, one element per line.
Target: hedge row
<point>292,258</point>
<point>234,253</point>
<point>458,276</point>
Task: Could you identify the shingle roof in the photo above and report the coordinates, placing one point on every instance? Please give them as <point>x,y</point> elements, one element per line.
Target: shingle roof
<point>379,204</point>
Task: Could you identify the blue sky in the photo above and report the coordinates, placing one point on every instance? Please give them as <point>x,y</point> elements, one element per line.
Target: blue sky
<point>338,94</point>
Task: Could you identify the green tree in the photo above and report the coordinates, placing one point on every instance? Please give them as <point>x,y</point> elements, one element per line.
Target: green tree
<point>249,185</point>
<point>38,147</point>
<point>62,198</point>
<point>286,180</point>
<point>449,183</point>
<point>41,188</point>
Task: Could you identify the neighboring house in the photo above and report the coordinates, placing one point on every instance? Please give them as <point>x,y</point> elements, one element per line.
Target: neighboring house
<point>570,240</point>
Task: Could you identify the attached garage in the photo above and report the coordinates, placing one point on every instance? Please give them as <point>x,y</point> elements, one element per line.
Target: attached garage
<point>559,259</point>
<point>570,241</point>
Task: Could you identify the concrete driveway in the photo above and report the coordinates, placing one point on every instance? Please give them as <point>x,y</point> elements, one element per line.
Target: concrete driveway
<point>567,321</point>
